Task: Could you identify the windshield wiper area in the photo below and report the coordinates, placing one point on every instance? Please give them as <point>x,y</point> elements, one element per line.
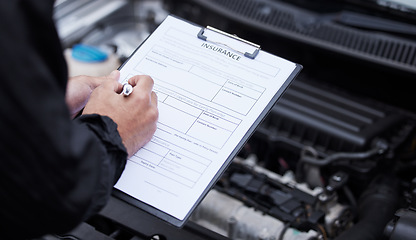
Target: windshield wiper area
<point>374,23</point>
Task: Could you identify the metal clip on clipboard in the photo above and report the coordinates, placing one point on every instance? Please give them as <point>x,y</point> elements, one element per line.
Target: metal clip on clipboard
<point>246,54</point>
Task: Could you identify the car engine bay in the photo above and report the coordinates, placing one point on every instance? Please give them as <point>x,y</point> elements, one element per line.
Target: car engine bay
<point>336,156</point>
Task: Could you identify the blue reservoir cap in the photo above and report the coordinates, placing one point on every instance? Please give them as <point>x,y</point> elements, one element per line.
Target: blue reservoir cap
<point>87,53</point>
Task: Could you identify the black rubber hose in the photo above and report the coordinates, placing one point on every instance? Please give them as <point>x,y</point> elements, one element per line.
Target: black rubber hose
<point>377,206</point>
<point>380,146</point>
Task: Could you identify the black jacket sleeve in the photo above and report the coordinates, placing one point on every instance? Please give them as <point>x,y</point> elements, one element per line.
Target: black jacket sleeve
<point>54,172</point>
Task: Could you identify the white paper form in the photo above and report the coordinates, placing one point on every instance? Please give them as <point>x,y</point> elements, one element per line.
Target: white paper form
<point>208,98</point>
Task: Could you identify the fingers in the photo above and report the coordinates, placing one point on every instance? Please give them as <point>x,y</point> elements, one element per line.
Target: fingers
<point>111,82</point>
<point>143,82</point>
<point>113,85</point>
<point>94,82</point>
<point>114,75</point>
<point>154,98</point>
<point>118,87</point>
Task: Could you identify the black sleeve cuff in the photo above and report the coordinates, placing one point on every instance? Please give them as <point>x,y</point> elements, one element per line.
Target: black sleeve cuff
<point>106,130</point>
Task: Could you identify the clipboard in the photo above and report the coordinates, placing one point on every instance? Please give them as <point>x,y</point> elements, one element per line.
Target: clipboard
<point>203,77</point>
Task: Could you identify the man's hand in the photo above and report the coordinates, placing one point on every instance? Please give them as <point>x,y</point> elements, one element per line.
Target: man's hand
<point>79,89</point>
<point>135,115</point>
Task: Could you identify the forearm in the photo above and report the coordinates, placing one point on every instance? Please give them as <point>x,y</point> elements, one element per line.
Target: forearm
<point>51,185</point>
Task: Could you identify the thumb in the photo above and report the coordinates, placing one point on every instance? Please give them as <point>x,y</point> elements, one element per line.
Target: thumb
<point>115,75</point>
<point>94,82</point>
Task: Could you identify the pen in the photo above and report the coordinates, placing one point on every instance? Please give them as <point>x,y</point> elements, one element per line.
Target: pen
<point>127,89</point>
